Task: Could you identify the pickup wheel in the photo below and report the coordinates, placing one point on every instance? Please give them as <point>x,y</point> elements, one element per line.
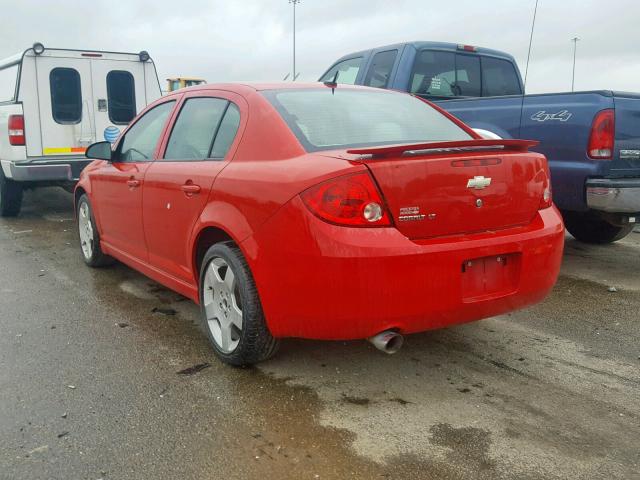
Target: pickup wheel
<point>589,228</point>
<point>88,235</point>
<point>231,311</point>
<point>10,196</point>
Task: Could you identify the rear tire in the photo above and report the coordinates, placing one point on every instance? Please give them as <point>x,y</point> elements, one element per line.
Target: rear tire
<point>88,235</point>
<point>10,196</point>
<point>231,310</point>
<point>587,227</point>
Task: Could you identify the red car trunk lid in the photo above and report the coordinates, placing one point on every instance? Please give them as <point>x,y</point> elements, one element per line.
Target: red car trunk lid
<point>454,188</point>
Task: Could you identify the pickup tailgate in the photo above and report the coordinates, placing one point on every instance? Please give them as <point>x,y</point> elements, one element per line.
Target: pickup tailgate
<point>626,160</point>
<point>463,187</point>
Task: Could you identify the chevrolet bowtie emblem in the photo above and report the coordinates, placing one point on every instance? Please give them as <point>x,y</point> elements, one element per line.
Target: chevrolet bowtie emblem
<point>478,182</point>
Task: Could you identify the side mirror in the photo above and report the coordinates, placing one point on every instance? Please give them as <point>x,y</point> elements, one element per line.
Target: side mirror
<point>99,151</point>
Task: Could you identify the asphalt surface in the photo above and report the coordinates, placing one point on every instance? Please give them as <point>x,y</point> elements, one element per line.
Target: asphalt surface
<point>90,382</point>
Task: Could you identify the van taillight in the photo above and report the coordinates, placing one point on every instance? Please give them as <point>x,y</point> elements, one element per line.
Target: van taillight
<point>351,200</point>
<point>602,135</point>
<point>16,130</point>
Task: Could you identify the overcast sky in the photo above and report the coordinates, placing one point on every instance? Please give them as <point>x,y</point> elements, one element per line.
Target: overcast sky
<point>251,39</point>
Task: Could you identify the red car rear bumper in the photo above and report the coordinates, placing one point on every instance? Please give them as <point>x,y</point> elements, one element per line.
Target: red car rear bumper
<point>322,281</point>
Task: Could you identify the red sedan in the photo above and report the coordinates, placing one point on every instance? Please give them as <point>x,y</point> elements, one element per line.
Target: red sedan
<point>320,211</point>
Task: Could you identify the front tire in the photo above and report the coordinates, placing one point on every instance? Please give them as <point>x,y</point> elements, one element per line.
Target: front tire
<point>88,235</point>
<point>589,228</point>
<point>231,311</point>
<point>10,196</point>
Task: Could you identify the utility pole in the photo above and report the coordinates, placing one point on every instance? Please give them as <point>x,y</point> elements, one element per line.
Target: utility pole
<point>294,2</point>
<point>575,41</point>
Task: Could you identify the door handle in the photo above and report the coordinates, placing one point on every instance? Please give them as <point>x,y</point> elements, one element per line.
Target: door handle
<point>133,183</point>
<point>190,188</point>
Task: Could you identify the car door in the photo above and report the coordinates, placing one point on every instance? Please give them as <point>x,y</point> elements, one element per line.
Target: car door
<point>177,186</point>
<point>117,185</point>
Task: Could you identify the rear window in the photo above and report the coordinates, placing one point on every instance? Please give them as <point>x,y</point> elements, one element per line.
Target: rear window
<point>345,118</point>
<point>499,78</point>
<point>66,97</point>
<point>121,96</point>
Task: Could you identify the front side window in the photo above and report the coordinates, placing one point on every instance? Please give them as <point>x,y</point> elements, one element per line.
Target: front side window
<point>380,69</point>
<point>141,139</point>
<point>195,129</point>
<point>66,96</point>
<point>446,74</point>
<point>347,71</point>
<point>499,78</point>
<point>121,97</point>
<point>347,118</point>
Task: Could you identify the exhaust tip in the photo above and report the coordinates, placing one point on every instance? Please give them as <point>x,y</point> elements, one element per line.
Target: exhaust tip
<point>388,341</point>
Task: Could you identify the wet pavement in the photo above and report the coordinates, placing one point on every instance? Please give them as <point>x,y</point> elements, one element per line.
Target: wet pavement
<point>106,374</point>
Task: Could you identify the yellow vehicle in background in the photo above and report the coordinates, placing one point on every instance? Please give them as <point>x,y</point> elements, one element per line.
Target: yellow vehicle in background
<point>182,82</point>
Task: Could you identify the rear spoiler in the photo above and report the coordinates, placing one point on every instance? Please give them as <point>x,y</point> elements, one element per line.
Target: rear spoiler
<point>457,146</point>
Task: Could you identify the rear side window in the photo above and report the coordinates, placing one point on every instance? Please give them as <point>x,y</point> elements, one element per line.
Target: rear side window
<point>66,96</point>
<point>141,139</point>
<point>347,117</point>
<point>227,132</point>
<point>347,71</point>
<point>380,69</point>
<point>205,128</point>
<point>8,79</point>
<point>499,78</point>
<point>446,74</point>
<point>121,96</point>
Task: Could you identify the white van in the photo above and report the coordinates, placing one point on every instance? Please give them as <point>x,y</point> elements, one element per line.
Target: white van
<point>54,103</point>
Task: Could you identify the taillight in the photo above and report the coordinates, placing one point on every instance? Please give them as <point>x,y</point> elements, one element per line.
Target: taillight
<point>547,198</point>
<point>16,130</point>
<point>352,200</point>
<point>602,135</point>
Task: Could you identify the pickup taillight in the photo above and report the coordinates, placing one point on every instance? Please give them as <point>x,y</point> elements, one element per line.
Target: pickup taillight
<point>602,135</point>
<point>16,130</point>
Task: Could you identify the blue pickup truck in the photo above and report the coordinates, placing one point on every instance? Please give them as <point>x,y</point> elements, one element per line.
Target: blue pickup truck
<point>591,139</point>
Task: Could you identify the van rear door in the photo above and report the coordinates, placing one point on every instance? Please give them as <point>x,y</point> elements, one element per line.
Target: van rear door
<point>65,100</point>
<point>119,94</point>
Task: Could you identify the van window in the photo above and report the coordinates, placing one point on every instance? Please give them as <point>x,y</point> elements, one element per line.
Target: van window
<point>499,78</point>
<point>121,97</point>
<point>8,79</point>
<point>446,74</point>
<point>140,141</point>
<point>66,97</point>
<point>380,69</point>
<point>194,130</point>
<point>348,71</point>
